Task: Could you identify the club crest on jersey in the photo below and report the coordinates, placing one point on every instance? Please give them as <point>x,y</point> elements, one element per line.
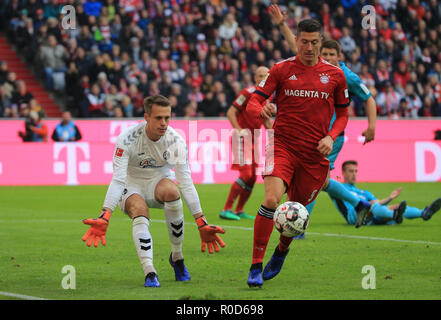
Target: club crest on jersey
<point>166,155</point>
<point>324,78</point>
<point>147,163</point>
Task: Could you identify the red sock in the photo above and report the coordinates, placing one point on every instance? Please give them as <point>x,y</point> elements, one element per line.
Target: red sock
<point>234,192</point>
<point>263,227</point>
<point>243,198</point>
<point>284,243</point>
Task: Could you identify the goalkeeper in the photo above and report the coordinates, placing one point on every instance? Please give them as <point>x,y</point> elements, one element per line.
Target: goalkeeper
<point>144,157</point>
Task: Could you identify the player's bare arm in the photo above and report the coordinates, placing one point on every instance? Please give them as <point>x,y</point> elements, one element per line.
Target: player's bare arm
<point>393,195</point>
<point>279,18</point>
<point>232,117</point>
<point>371,112</point>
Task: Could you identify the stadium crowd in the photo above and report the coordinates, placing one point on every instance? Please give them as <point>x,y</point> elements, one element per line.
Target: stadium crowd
<point>200,54</point>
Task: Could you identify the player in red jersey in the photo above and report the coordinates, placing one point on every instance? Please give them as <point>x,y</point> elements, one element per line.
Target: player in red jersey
<point>307,89</point>
<point>243,155</point>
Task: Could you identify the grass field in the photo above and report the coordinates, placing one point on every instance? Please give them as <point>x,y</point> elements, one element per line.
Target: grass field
<point>41,230</point>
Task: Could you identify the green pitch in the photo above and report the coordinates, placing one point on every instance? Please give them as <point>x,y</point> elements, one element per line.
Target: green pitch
<point>41,230</point>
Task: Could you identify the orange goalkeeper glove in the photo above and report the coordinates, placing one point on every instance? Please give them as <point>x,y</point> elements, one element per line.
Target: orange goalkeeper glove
<point>97,230</point>
<point>209,235</point>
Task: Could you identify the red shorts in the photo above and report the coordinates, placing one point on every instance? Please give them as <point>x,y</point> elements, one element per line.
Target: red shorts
<point>304,180</point>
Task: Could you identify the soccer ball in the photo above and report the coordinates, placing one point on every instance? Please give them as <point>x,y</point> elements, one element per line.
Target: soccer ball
<point>291,219</point>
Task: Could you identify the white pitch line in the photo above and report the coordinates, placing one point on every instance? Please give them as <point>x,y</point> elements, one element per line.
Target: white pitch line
<point>335,235</point>
<point>339,235</point>
<point>20,296</point>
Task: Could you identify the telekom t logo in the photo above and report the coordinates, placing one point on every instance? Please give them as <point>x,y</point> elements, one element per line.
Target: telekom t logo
<point>71,165</point>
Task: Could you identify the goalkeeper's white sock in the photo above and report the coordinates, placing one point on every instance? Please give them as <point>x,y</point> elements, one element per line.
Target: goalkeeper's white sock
<point>143,243</point>
<point>174,217</point>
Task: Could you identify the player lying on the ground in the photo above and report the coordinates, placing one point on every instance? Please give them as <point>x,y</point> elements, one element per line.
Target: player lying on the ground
<point>330,51</point>
<point>381,212</point>
<point>144,157</point>
<point>243,146</point>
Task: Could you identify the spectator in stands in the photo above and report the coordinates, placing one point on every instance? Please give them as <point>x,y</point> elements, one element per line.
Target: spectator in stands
<point>209,106</point>
<point>382,74</point>
<point>92,8</point>
<point>10,85</point>
<point>36,107</point>
<point>228,28</point>
<point>119,112</point>
<point>436,87</point>
<point>21,98</point>
<point>347,42</point>
<point>413,103</point>
<point>427,110</point>
<point>95,100</point>
<point>401,76</point>
<point>3,72</point>
<point>66,130</point>
<point>127,106</point>
<point>178,33</point>
<point>54,56</point>
<point>35,129</point>
<point>388,100</point>
<point>5,103</point>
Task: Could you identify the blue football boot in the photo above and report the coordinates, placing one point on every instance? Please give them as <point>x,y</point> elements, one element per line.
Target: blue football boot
<point>151,280</point>
<point>300,237</point>
<point>363,209</point>
<point>255,276</point>
<point>275,264</point>
<point>431,209</point>
<point>181,272</point>
<point>398,213</point>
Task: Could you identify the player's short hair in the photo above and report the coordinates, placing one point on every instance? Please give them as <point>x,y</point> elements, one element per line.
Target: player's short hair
<point>309,25</point>
<point>331,44</point>
<point>347,163</point>
<point>158,100</point>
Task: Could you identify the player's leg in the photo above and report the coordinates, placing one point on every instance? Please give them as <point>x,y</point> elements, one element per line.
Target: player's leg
<point>304,188</point>
<point>336,148</point>
<point>389,213</point>
<point>235,190</point>
<point>425,214</point>
<point>137,209</point>
<point>227,212</point>
<point>263,226</point>
<point>246,180</point>
<point>336,190</point>
<point>166,192</point>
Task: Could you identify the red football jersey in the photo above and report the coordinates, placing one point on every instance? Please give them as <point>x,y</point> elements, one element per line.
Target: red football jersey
<point>240,103</point>
<point>305,99</point>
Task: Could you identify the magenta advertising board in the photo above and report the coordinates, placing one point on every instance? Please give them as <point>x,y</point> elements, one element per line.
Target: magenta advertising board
<point>403,151</point>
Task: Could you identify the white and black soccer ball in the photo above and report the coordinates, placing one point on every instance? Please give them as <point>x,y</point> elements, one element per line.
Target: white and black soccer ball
<point>291,219</point>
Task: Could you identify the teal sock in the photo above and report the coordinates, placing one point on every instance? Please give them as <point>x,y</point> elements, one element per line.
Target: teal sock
<point>381,212</point>
<point>412,213</point>
<point>338,191</point>
<point>310,206</point>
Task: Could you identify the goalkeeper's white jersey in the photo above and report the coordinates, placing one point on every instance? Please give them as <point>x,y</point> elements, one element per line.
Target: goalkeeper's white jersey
<point>137,159</point>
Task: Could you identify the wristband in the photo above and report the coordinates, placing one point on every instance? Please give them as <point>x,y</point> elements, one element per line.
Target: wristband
<point>105,215</point>
<point>201,221</point>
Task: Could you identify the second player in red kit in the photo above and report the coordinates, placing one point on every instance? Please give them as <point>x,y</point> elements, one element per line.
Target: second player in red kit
<point>307,91</point>
<point>243,146</point>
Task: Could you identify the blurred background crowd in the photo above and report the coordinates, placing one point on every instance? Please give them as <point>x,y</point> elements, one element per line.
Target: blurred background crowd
<point>200,54</point>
